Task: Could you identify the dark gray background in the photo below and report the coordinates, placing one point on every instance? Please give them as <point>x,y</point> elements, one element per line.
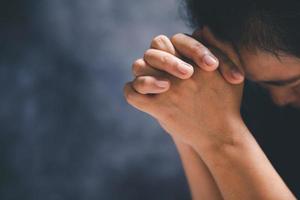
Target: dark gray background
<point>66,131</point>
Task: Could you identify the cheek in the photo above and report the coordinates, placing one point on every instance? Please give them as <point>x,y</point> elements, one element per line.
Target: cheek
<point>283,96</point>
<point>296,91</point>
<point>296,102</point>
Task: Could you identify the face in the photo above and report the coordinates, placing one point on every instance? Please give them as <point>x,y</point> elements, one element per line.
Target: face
<point>279,75</point>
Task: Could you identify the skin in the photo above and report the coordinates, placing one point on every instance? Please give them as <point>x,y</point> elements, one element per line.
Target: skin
<point>279,75</point>
<point>201,182</point>
<point>215,131</point>
<point>195,169</point>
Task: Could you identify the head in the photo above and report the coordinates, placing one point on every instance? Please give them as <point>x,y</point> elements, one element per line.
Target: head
<point>258,36</point>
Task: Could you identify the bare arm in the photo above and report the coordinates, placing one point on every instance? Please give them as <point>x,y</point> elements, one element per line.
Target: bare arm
<point>242,170</point>
<point>201,182</point>
<point>216,131</point>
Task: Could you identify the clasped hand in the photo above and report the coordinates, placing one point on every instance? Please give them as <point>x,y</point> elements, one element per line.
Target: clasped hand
<point>190,103</point>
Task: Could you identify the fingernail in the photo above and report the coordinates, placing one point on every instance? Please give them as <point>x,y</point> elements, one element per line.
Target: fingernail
<point>162,84</point>
<point>185,68</point>
<point>236,74</point>
<point>210,61</point>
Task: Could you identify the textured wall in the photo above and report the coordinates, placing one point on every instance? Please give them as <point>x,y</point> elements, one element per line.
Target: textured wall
<point>65,130</point>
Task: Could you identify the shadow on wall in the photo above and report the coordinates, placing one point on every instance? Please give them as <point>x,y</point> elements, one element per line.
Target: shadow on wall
<point>66,131</point>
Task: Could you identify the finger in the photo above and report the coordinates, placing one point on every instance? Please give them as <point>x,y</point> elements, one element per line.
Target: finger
<point>231,73</point>
<point>139,101</point>
<point>169,63</point>
<point>194,50</point>
<point>163,43</point>
<point>150,85</point>
<point>141,68</point>
<point>150,81</point>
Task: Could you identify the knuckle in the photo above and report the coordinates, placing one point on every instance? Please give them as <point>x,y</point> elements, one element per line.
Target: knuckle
<point>167,61</point>
<point>136,66</point>
<point>162,37</point>
<point>141,85</point>
<point>174,65</point>
<point>198,49</point>
<point>145,82</point>
<point>159,40</point>
<point>148,53</point>
<point>176,36</point>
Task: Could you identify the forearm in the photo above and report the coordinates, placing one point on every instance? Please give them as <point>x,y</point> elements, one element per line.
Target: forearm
<point>242,170</point>
<point>201,182</point>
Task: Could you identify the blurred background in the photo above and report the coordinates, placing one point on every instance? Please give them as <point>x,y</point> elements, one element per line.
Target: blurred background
<point>66,131</point>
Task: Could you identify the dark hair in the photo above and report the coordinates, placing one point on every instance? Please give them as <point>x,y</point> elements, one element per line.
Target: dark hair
<point>272,26</point>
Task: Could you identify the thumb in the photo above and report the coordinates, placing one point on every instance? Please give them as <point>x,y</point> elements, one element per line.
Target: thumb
<point>232,73</point>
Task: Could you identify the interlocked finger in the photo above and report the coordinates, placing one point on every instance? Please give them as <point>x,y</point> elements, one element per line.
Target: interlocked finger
<point>169,63</point>
<point>141,68</point>
<point>150,85</point>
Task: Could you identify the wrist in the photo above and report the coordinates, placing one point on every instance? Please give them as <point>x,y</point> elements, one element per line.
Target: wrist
<point>232,133</point>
